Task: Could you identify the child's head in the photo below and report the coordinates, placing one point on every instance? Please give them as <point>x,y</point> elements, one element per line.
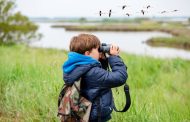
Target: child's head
<point>85,44</point>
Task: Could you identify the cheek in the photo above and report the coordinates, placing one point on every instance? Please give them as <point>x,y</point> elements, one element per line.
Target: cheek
<point>98,55</point>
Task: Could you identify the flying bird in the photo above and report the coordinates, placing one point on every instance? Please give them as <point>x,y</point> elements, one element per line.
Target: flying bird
<point>163,12</point>
<point>110,13</point>
<point>175,10</point>
<point>100,13</point>
<point>142,11</point>
<point>128,14</point>
<point>124,6</point>
<point>148,6</point>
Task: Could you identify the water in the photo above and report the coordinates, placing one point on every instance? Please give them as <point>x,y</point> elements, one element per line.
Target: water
<point>130,42</point>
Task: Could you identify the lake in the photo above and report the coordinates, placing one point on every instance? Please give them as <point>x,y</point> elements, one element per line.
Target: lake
<point>130,42</point>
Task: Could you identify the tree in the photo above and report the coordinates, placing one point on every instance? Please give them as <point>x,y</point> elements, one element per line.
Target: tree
<point>14,27</point>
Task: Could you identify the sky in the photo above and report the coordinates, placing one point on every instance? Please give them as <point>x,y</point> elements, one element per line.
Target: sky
<point>91,8</point>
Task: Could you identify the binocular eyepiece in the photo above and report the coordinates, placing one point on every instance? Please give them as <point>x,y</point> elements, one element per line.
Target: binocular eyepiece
<point>104,48</point>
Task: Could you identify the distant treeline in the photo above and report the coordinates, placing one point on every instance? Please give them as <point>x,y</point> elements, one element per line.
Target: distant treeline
<point>111,20</point>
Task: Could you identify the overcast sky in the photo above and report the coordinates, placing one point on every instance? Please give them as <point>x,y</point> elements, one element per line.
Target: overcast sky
<point>90,8</point>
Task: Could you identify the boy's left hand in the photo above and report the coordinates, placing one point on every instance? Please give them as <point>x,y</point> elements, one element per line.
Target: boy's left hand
<point>114,50</point>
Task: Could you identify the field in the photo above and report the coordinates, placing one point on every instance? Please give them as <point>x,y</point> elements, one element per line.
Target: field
<point>31,78</point>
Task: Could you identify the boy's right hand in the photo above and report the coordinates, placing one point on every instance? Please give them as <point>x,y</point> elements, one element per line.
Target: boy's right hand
<point>114,50</point>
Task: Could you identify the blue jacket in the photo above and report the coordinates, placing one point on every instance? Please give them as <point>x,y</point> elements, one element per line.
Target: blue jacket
<point>96,81</point>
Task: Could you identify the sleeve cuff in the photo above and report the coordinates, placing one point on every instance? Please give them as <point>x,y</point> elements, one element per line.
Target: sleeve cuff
<point>114,59</point>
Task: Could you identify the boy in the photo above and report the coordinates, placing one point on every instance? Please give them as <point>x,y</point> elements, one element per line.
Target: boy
<point>96,84</point>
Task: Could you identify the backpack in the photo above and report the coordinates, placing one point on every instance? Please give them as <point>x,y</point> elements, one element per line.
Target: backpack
<point>72,107</point>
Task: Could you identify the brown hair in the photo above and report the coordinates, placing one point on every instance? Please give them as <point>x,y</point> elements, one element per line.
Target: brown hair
<point>84,42</point>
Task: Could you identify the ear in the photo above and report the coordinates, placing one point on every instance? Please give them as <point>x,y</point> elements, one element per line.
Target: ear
<point>87,53</point>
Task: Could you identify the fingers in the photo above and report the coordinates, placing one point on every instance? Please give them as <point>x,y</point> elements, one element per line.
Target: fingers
<point>114,50</point>
<point>114,47</point>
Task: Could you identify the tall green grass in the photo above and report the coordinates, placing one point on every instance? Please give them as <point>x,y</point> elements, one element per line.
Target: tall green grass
<point>31,78</point>
<point>159,90</point>
<point>30,81</point>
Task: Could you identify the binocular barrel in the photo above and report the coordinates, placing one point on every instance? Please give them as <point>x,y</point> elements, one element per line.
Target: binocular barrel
<point>105,48</point>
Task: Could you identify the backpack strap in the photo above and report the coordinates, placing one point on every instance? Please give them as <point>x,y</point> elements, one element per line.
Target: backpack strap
<point>76,87</point>
<point>62,92</point>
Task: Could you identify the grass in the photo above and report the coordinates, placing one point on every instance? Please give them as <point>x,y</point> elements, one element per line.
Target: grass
<point>175,42</point>
<point>31,78</point>
<point>159,90</point>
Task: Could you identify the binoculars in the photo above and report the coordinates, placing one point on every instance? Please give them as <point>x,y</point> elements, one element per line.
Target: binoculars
<point>104,48</point>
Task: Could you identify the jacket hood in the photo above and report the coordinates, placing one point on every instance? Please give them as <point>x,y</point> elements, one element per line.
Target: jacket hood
<point>76,65</point>
<point>75,59</point>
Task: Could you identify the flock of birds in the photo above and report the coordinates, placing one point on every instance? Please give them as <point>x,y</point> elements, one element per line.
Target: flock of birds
<point>142,11</point>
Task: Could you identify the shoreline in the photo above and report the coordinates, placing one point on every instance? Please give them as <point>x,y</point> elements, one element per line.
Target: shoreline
<point>180,39</point>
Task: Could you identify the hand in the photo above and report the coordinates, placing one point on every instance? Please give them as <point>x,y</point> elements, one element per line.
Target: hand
<point>114,50</point>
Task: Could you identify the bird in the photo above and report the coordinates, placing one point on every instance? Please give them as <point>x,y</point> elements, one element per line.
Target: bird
<point>110,13</point>
<point>148,6</point>
<point>100,13</point>
<point>163,12</point>
<point>175,10</point>
<point>142,11</point>
<point>128,14</point>
<point>124,6</point>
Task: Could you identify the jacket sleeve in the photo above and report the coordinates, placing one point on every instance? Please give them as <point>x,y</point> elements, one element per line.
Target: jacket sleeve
<point>114,78</point>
